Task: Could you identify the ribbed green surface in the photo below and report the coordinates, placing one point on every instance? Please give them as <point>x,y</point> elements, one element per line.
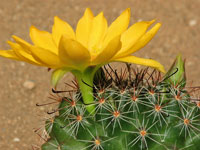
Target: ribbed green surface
<point>136,112</point>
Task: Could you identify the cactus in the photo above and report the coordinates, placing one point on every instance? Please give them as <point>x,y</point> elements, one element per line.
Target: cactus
<point>134,109</point>
<point>107,110</point>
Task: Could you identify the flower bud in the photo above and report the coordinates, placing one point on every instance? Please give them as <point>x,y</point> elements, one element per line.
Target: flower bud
<point>176,74</point>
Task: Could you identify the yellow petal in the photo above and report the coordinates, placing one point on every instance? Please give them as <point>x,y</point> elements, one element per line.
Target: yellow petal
<point>99,27</point>
<point>108,52</point>
<point>142,41</point>
<point>57,75</point>
<point>24,51</point>
<point>133,34</point>
<point>84,27</point>
<point>43,39</point>
<point>60,28</point>
<point>22,54</point>
<point>142,61</point>
<point>118,26</point>
<point>71,51</point>
<point>9,54</point>
<point>48,58</point>
<point>23,43</point>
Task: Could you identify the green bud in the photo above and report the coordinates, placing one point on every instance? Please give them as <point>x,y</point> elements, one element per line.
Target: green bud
<point>176,74</point>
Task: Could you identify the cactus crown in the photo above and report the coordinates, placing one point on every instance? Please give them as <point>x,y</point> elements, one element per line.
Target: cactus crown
<point>134,109</point>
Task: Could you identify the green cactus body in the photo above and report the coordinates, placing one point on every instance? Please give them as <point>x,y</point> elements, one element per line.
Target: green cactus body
<point>137,111</point>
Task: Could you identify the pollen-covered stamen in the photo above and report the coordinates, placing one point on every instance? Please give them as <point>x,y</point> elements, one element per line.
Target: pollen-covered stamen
<point>79,118</point>
<point>143,133</point>
<point>186,121</point>
<point>97,142</point>
<point>158,108</point>
<point>116,114</point>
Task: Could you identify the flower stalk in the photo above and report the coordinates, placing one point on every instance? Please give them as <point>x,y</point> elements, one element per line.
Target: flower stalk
<point>85,82</point>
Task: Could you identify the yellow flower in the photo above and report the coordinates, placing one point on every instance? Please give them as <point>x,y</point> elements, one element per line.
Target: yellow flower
<point>85,50</point>
<point>92,44</point>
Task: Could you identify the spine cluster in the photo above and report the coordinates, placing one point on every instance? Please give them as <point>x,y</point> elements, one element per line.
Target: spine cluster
<point>134,110</point>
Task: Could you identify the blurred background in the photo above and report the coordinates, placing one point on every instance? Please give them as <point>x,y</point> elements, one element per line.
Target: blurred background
<point>23,85</point>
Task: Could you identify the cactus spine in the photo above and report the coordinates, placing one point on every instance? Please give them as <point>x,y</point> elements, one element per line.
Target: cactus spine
<point>133,110</point>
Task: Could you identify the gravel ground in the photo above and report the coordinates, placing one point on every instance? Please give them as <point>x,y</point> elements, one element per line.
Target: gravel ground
<point>23,85</point>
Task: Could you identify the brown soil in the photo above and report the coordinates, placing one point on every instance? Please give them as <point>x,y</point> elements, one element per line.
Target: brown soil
<point>18,113</point>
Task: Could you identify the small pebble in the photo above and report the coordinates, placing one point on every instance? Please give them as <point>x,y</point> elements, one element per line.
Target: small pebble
<point>76,8</point>
<point>29,84</point>
<point>193,22</point>
<point>22,64</point>
<point>16,140</point>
